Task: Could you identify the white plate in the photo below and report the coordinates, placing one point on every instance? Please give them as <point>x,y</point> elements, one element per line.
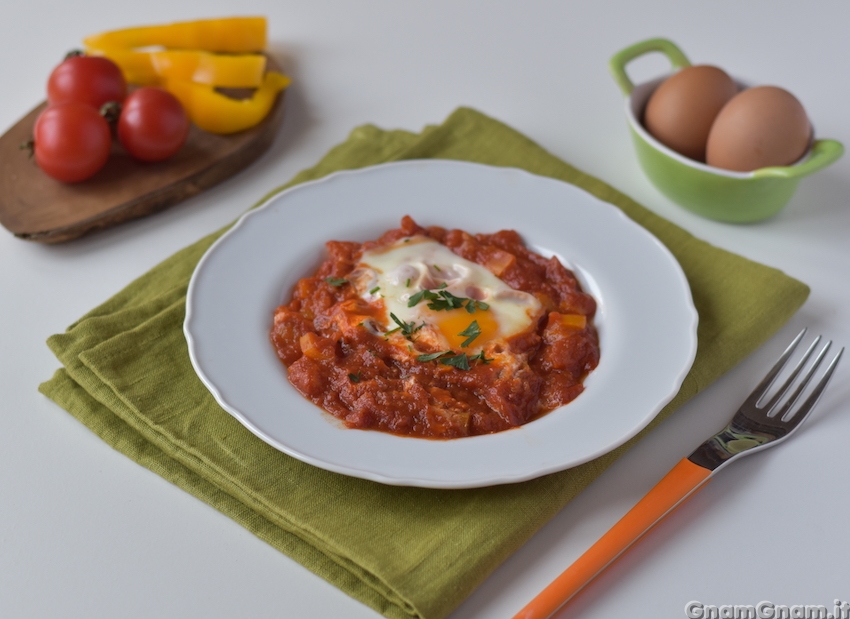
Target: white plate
<point>646,319</point>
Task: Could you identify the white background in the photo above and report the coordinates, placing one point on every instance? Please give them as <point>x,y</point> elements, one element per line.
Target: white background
<point>85,532</point>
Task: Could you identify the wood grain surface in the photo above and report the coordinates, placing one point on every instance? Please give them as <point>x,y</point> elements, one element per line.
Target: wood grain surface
<point>35,207</point>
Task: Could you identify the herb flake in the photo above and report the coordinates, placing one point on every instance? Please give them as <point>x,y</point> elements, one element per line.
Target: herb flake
<point>432,356</point>
<point>408,329</point>
<point>460,361</point>
<point>480,357</point>
<point>422,294</point>
<point>470,333</point>
<point>445,300</point>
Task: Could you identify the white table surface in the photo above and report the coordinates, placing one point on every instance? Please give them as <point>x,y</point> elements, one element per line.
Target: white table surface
<point>85,532</point>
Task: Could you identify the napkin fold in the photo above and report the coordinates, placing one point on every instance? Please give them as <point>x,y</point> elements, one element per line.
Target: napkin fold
<point>406,552</point>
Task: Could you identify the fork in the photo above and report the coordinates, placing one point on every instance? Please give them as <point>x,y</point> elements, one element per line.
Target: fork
<point>759,423</point>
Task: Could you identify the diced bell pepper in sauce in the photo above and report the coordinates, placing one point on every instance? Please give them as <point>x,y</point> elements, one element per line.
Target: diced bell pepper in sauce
<point>576,321</point>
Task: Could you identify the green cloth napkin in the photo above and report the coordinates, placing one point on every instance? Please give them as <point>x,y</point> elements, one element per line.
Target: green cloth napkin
<point>406,552</point>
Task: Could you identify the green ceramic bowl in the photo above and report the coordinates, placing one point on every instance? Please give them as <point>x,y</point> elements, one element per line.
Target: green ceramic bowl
<point>723,195</point>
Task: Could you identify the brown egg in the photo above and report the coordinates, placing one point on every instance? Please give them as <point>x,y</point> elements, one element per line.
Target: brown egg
<point>760,127</point>
<point>680,112</point>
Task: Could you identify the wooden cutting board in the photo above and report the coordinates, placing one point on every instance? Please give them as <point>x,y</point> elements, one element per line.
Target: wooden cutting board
<point>35,207</point>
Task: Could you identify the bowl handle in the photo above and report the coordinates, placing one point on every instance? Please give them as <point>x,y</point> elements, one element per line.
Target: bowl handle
<point>617,64</point>
<point>823,153</point>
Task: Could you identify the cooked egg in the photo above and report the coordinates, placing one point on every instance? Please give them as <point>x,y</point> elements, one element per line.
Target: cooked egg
<point>469,306</point>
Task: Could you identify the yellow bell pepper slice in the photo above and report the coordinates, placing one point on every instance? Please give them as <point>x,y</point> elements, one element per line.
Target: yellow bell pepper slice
<point>575,321</point>
<point>218,113</point>
<point>236,35</point>
<point>152,68</point>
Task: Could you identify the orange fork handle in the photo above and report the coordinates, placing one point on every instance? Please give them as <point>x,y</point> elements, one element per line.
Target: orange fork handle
<point>684,479</point>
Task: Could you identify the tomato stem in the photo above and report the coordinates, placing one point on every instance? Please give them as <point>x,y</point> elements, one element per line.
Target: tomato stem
<point>111,111</point>
<point>28,146</point>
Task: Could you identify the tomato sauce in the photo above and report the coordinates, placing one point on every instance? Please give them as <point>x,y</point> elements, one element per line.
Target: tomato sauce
<point>371,381</point>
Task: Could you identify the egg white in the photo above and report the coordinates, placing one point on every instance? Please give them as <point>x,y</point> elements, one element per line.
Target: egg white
<point>394,274</point>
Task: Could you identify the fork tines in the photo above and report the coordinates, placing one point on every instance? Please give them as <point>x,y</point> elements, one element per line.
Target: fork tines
<point>785,412</point>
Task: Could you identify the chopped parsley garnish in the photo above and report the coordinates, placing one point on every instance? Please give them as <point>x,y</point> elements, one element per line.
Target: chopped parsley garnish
<point>374,290</point>
<point>336,281</point>
<point>438,268</point>
<point>422,294</point>
<point>445,300</point>
<point>407,328</point>
<point>407,283</point>
<point>460,361</point>
<point>473,305</point>
<point>470,333</point>
<point>354,378</point>
<point>432,356</point>
<point>480,357</point>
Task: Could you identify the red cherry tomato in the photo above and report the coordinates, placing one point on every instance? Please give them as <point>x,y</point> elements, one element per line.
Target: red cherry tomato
<point>87,79</point>
<point>71,141</point>
<point>153,124</point>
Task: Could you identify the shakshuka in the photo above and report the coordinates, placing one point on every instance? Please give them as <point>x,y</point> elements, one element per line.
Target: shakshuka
<point>437,333</point>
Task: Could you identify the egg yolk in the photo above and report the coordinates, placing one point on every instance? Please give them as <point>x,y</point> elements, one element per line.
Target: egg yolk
<point>453,323</point>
